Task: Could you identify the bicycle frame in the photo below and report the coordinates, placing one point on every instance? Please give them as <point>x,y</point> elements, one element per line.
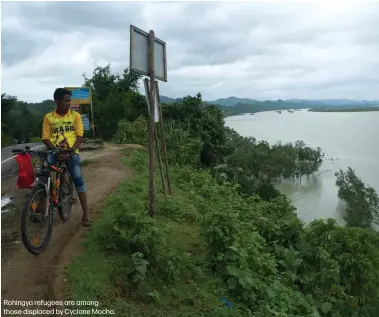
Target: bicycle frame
<point>52,172</point>
<point>52,178</point>
<point>48,179</point>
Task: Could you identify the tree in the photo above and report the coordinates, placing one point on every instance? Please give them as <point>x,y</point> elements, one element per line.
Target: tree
<point>362,202</point>
<point>8,103</point>
<point>203,121</point>
<point>16,118</point>
<point>114,98</point>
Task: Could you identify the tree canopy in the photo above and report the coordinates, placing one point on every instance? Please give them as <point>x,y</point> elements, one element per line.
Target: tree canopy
<point>16,118</point>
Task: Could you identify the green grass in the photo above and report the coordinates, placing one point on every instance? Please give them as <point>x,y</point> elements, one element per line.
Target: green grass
<point>177,281</point>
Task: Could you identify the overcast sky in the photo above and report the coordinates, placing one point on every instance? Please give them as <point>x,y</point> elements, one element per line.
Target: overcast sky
<point>256,50</point>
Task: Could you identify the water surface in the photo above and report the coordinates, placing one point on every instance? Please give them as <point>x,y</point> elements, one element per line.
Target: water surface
<point>350,138</point>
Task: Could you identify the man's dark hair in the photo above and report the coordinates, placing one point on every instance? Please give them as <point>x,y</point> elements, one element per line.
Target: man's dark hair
<point>59,93</point>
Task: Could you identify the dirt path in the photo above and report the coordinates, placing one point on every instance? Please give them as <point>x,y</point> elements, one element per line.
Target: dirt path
<point>26,277</point>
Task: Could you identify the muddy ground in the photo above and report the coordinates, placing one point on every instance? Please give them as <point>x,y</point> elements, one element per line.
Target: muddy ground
<point>27,277</point>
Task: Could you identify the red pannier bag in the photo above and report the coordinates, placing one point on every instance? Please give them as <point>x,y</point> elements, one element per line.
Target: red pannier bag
<point>25,177</point>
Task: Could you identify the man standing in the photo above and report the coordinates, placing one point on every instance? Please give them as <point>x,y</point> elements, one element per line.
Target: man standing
<point>63,128</point>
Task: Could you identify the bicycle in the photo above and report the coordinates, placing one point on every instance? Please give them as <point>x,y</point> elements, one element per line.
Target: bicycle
<point>54,184</point>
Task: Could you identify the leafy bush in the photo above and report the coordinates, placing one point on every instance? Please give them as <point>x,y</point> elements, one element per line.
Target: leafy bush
<point>204,122</point>
<point>182,149</point>
<point>341,267</point>
<point>276,221</point>
<point>138,160</point>
<point>176,208</point>
<point>126,233</point>
<point>239,254</point>
<point>131,132</point>
<point>126,227</point>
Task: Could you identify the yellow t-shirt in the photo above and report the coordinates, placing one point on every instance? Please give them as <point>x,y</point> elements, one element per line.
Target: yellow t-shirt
<point>59,129</point>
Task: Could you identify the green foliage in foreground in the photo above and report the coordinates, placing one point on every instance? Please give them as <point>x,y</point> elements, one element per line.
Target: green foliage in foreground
<point>208,242</point>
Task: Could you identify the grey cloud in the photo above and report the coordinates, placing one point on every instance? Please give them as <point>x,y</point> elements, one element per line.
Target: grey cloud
<point>278,48</point>
<point>71,16</point>
<point>16,46</point>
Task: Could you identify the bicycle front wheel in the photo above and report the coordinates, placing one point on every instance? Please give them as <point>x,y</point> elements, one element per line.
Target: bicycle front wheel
<point>33,221</point>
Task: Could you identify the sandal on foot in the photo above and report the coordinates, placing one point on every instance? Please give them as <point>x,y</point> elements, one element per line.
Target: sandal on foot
<point>86,222</point>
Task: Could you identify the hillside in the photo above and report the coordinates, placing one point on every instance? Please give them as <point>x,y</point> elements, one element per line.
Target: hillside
<point>234,105</point>
<point>41,108</point>
<point>336,102</point>
<point>259,106</point>
<point>168,100</point>
<point>232,101</point>
<point>224,241</point>
<point>209,252</point>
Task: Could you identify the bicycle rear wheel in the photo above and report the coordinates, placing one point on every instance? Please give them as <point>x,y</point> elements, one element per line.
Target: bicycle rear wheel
<point>65,193</point>
<point>36,203</point>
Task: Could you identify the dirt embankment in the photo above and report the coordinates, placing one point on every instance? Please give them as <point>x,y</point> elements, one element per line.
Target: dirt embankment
<point>26,277</point>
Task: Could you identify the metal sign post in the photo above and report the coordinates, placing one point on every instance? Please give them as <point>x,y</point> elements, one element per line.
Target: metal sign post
<point>93,122</point>
<point>156,119</point>
<point>151,126</point>
<point>148,57</point>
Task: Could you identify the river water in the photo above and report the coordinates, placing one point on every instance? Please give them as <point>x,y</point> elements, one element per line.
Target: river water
<point>347,139</point>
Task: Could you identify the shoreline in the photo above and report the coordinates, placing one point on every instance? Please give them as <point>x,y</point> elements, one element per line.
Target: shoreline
<point>355,109</point>
<point>352,109</point>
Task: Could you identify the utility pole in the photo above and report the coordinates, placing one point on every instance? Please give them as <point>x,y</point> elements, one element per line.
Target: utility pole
<point>151,125</point>
<point>148,58</point>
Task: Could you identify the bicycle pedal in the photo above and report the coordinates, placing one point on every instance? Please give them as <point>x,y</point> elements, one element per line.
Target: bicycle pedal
<point>73,201</point>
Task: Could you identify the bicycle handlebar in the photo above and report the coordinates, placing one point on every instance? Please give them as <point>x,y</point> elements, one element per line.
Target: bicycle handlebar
<point>28,150</point>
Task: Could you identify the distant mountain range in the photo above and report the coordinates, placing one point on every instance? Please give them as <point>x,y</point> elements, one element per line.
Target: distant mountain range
<point>308,103</point>
<point>234,105</point>
<point>337,102</point>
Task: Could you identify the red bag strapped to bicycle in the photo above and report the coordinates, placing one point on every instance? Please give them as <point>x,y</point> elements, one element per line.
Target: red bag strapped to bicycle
<point>26,175</point>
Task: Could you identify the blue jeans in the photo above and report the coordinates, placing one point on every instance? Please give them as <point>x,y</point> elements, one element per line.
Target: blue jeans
<point>74,169</point>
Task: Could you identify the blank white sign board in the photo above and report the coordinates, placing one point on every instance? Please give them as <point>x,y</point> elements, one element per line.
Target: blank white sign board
<point>139,54</point>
